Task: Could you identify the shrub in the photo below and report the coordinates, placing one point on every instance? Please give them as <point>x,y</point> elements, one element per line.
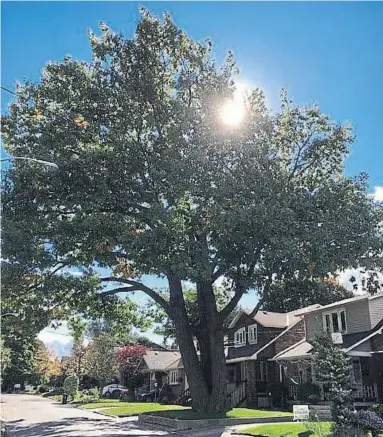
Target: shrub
<point>346,431</point>
<point>71,386</point>
<point>367,420</point>
<point>378,409</point>
<point>54,392</point>
<point>127,396</point>
<point>43,388</point>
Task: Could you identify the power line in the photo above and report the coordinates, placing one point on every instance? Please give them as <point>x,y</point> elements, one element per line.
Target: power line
<point>7,90</point>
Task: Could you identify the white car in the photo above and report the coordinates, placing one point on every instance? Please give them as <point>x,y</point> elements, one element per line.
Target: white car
<point>112,391</point>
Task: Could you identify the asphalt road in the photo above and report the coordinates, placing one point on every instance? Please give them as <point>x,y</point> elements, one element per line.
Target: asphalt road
<point>34,416</point>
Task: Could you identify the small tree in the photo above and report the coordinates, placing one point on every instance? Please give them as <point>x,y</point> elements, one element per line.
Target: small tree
<point>101,360</point>
<point>42,362</point>
<point>333,369</point>
<point>71,385</point>
<point>129,358</point>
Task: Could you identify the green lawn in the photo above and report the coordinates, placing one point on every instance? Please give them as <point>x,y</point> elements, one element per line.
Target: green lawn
<point>177,412</point>
<point>288,429</point>
<point>104,403</point>
<point>236,413</point>
<point>135,408</point>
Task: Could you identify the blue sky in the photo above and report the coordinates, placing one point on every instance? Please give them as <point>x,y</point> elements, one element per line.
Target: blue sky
<point>325,52</point>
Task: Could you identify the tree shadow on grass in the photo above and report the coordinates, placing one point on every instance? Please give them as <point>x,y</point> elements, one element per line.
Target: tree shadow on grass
<point>81,427</point>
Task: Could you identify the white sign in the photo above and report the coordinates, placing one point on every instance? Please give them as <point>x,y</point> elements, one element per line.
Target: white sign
<point>17,386</point>
<point>337,338</point>
<point>301,412</point>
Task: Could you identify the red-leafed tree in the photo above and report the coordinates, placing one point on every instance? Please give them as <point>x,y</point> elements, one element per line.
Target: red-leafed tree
<point>129,358</point>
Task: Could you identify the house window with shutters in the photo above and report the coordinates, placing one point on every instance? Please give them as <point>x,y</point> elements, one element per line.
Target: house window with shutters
<point>335,321</point>
<point>240,337</point>
<point>252,333</point>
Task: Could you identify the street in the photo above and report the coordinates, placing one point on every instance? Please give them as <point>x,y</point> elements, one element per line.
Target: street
<point>34,416</point>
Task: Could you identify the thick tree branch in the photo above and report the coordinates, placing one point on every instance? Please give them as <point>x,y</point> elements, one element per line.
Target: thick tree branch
<point>226,311</point>
<point>50,274</point>
<point>136,286</point>
<point>256,308</point>
<point>217,274</point>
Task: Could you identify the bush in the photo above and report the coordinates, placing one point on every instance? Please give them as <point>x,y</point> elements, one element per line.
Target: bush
<point>127,396</point>
<point>54,392</point>
<point>43,388</point>
<point>346,431</point>
<point>367,420</point>
<point>71,386</point>
<point>378,409</point>
<point>306,390</point>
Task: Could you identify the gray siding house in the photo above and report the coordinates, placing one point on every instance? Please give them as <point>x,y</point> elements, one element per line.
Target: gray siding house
<point>356,325</point>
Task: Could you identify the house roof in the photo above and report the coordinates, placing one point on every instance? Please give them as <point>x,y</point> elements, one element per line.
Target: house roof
<point>177,364</point>
<point>298,350</point>
<point>303,348</point>
<point>160,360</point>
<point>378,330</point>
<point>271,319</point>
<point>361,297</point>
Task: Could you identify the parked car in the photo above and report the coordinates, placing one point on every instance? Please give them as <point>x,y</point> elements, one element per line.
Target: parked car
<point>149,396</point>
<point>112,391</point>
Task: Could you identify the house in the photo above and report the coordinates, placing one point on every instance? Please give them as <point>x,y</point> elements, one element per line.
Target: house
<point>356,325</point>
<point>154,366</point>
<point>177,378</point>
<point>252,342</point>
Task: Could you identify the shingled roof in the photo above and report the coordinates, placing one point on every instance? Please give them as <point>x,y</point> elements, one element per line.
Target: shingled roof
<point>160,360</point>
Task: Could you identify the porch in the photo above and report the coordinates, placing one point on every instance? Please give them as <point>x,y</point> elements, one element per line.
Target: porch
<point>268,384</point>
<point>366,379</point>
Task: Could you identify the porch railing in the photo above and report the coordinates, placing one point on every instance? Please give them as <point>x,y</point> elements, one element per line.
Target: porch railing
<point>365,392</point>
<point>238,395</point>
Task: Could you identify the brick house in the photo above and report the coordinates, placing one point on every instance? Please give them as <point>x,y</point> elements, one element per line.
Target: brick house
<point>356,325</point>
<point>252,341</point>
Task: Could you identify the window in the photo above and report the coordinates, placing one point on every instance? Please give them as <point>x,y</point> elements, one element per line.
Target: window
<point>335,321</point>
<point>252,334</point>
<point>173,377</point>
<point>240,337</point>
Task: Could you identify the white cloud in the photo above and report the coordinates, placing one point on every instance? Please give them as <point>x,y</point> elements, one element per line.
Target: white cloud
<point>378,194</point>
<point>50,337</point>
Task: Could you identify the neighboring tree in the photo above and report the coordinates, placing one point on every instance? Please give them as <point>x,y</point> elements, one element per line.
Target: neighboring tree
<point>78,362</point>
<point>333,370</point>
<point>54,367</point>
<point>152,182</point>
<point>289,295</point>
<point>129,358</point>
<point>101,361</point>
<point>42,362</point>
<point>5,357</point>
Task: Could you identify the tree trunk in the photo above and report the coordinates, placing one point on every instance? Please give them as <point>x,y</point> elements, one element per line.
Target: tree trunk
<point>206,374</point>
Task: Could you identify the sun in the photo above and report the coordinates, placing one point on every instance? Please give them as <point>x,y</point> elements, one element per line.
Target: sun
<point>233,111</point>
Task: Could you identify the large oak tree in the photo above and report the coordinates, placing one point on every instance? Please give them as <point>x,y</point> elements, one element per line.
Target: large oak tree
<point>151,181</point>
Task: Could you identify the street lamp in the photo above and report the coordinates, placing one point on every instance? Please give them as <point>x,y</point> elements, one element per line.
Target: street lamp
<point>38,161</point>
